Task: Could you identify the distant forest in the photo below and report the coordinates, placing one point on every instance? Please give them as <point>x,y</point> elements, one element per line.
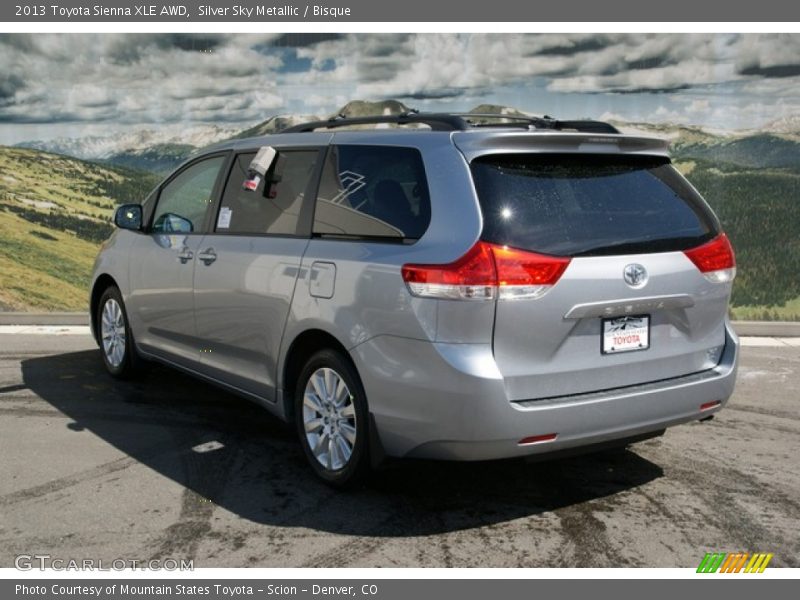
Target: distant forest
<point>759,211</point>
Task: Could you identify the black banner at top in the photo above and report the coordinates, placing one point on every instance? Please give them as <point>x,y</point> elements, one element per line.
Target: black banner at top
<point>262,11</point>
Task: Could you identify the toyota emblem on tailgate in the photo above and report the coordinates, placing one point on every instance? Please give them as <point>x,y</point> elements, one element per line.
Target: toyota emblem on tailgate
<point>635,275</point>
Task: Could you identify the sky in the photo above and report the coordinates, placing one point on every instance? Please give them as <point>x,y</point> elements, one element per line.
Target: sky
<point>73,85</point>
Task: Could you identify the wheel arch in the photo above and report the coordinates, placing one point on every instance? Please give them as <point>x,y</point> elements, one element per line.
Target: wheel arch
<point>303,346</point>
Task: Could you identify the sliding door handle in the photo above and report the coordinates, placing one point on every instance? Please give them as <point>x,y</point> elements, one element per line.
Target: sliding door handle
<point>208,256</point>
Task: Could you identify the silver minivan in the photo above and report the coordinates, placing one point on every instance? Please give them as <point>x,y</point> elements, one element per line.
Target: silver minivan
<point>440,286</point>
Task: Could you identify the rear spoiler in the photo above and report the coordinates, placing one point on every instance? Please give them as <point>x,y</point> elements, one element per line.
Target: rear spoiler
<point>473,144</point>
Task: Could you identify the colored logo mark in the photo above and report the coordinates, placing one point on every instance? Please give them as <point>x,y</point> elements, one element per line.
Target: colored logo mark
<point>744,562</point>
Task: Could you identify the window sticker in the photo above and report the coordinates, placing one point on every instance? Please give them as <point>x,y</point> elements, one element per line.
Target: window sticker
<point>224,220</point>
<point>251,184</point>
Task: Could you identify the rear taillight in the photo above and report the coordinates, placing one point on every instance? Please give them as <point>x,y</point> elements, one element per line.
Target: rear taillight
<point>471,277</point>
<point>523,274</point>
<point>487,271</point>
<point>715,259</point>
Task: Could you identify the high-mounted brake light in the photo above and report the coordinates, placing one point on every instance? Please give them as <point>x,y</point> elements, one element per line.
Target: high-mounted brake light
<point>715,259</point>
<point>487,271</point>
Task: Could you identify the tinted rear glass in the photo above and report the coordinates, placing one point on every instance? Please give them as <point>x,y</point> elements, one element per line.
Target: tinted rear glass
<point>373,192</point>
<point>589,205</point>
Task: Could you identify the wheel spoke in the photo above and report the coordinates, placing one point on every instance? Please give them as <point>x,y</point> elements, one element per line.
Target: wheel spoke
<point>348,411</point>
<point>322,444</point>
<point>345,449</point>
<point>313,425</point>
<point>318,385</point>
<point>349,432</point>
<point>312,400</point>
<point>342,393</point>
<point>331,448</point>
<point>115,354</point>
<point>330,381</point>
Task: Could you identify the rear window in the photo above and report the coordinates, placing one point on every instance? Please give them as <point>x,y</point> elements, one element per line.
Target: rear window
<point>589,205</point>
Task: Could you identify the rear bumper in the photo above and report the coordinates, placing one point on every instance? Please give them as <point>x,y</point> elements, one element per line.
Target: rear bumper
<point>448,401</point>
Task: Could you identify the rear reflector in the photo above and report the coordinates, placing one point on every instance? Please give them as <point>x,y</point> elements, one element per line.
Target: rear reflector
<point>710,405</point>
<point>487,271</point>
<point>537,439</point>
<point>715,259</point>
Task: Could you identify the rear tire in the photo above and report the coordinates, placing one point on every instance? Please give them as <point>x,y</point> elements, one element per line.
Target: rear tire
<point>332,419</point>
<point>115,337</point>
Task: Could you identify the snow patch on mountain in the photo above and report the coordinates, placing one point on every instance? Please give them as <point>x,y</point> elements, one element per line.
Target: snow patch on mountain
<point>103,147</point>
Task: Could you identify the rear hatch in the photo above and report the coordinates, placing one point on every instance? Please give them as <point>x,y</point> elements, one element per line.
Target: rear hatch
<point>644,293</point>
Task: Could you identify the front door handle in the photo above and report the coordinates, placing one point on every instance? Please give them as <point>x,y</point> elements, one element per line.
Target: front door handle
<point>185,255</point>
<point>208,256</point>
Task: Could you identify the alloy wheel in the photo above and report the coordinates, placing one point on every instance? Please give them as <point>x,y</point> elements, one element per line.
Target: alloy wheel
<point>329,418</point>
<point>112,332</point>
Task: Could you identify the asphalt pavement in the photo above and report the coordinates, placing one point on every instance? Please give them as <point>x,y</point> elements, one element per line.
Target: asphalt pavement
<point>168,467</point>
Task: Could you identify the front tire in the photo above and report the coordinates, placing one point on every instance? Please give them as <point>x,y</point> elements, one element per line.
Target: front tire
<point>115,337</point>
<point>332,419</point>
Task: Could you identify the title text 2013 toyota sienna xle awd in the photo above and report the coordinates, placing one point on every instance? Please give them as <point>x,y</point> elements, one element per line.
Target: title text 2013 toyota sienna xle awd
<point>450,290</point>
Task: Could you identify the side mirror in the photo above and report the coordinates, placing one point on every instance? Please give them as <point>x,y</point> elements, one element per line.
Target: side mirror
<point>129,216</point>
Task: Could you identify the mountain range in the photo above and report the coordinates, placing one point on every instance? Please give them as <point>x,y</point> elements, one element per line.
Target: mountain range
<point>161,150</point>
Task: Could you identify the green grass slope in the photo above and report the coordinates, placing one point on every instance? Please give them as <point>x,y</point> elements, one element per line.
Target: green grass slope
<point>54,213</point>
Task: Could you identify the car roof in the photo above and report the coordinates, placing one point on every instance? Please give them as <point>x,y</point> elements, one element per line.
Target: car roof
<point>472,142</point>
<point>473,134</point>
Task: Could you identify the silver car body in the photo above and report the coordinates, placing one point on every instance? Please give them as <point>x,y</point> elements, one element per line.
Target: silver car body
<point>444,379</point>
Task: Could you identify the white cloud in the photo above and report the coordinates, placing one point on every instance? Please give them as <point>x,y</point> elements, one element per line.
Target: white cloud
<point>138,78</point>
<point>698,106</point>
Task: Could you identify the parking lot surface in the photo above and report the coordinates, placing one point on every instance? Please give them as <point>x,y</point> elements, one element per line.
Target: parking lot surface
<point>168,467</point>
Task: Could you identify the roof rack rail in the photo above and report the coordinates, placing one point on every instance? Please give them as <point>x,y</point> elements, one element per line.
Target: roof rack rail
<point>545,122</point>
<point>456,122</point>
<point>436,121</point>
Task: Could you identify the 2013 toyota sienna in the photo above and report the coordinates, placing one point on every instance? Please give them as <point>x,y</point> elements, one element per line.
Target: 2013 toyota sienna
<point>451,287</point>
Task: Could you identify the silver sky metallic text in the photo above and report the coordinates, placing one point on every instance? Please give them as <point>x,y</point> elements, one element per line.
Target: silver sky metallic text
<point>288,10</point>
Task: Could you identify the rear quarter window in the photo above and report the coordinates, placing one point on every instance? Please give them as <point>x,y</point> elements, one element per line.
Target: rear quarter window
<point>373,192</point>
<point>589,205</point>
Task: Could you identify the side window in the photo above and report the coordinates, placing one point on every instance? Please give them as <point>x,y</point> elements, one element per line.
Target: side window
<point>274,206</point>
<point>373,192</point>
<point>183,201</point>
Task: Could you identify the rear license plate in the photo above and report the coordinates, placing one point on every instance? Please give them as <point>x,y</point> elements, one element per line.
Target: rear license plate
<point>626,334</point>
